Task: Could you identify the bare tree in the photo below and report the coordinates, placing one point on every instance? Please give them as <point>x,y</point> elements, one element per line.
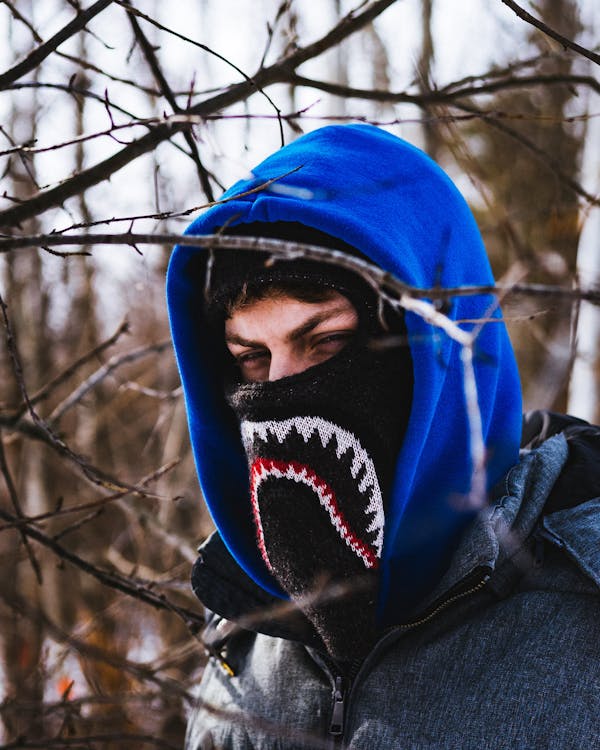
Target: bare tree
<point>117,128</point>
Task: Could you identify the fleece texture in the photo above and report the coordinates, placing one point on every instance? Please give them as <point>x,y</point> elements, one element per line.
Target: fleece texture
<point>388,199</point>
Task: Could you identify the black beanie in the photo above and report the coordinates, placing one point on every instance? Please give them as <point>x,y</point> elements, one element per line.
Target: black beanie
<point>233,270</point>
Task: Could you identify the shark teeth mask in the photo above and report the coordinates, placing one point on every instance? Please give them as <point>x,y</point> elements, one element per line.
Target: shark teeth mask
<point>321,448</point>
<point>360,525</point>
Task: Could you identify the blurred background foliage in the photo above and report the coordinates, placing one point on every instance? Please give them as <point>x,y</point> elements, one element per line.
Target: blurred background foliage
<point>97,621</point>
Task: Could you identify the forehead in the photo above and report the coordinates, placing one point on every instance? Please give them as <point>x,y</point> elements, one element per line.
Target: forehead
<point>286,313</point>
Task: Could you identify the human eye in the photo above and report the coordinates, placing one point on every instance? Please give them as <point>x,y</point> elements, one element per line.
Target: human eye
<point>251,356</point>
<point>252,363</point>
<point>333,341</point>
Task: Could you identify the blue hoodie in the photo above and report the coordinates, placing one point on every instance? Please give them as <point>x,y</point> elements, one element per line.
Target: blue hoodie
<point>389,200</point>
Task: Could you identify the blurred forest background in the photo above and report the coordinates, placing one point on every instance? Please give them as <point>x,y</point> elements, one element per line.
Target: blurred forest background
<point>122,117</point>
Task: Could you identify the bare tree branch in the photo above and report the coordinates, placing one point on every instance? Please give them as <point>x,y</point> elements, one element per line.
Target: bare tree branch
<point>133,11</point>
<point>566,43</point>
<point>126,585</point>
<point>101,373</point>
<point>20,17</point>
<point>279,71</point>
<point>380,279</point>
<point>62,377</point>
<point>39,54</point>
<point>104,501</point>
<point>12,492</point>
<point>542,155</point>
<point>43,431</point>
<point>167,92</point>
<point>439,96</point>
<point>142,672</point>
<point>128,739</point>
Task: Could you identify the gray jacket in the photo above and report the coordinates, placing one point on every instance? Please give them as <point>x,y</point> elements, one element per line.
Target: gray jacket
<point>504,654</point>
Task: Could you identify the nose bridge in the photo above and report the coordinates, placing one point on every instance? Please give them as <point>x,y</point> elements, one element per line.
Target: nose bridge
<point>285,361</point>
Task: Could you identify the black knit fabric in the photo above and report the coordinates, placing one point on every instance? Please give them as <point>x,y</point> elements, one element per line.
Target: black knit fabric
<point>233,269</point>
<point>321,447</point>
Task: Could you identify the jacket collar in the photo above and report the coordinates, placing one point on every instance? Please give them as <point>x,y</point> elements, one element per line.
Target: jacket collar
<point>495,537</point>
<point>499,530</point>
<point>577,531</point>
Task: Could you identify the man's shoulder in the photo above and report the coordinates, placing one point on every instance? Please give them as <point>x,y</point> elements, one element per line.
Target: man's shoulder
<point>570,519</point>
<point>579,479</point>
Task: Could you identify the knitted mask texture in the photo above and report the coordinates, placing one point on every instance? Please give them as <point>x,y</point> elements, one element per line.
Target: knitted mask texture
<point>321,447</point>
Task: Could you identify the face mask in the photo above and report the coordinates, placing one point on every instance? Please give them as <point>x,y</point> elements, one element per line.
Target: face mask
<point>322,447</point>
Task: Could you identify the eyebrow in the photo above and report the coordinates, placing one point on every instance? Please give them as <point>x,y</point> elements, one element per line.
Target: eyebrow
<point>297,333</point>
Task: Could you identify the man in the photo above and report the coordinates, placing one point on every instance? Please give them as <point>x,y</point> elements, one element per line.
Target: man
<point>359,593</point>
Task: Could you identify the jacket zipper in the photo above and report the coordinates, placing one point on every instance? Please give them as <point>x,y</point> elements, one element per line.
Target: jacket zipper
<point>442,605</point>
<point>336,727</point>
<point>342,691</point>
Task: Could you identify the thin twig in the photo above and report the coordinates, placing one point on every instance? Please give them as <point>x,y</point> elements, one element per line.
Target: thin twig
<point>152,59</point>
<point>101,503</point>
<point>437,96</point>
<point>14,498</point>
<point>40,53</point>
<point>128,739</point>
<point>20,17</point>
<point>134,11</point>
<point>278,72</point>
<point>142,672</point>
<point>101,374</point>
<point>42,431</point>
<point>284,250</point>
<point>538,152</point>
<point>127,585</point>
<point>67,373</point>
<point>84,137</point>
<point>566,43</point>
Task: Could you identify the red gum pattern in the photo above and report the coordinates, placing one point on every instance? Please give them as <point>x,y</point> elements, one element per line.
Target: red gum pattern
<point>262,466</point>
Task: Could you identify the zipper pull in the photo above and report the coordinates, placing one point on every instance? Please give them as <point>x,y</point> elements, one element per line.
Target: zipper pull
<point>337,711</point>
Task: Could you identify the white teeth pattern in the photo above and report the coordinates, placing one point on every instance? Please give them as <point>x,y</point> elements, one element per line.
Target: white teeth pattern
<point>306,427</point>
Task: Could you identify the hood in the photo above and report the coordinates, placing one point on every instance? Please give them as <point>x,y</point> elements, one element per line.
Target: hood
<point>389,200</point>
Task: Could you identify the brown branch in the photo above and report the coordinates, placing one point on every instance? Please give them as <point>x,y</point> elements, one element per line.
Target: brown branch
<point>133,11</point>
<point>88,741</point>
<point>279,71</point>
<point>495,72</point>
<point>101,374</point>
<point>127,585</point>
<point>142,672</point>
<point>40,53</point>
<point>75,525</point>
<point>62,377</point>
<point>437,96</point>
<point>84,137</point>
<point>167,92</point>
<point>542,155</point>
<point>20,17</point>
<point>380,279</point>
<point>42,431</point>
<point>12,492</point>
<point>85,742</point>
<point>87,65</point>
<point>58,512</point>
<point>187,211</point>
<point>69,88</point>
<point>12,705</point>
<point>108,104</point>
<point>566,43</point>
<point>419,100</point>
<point>152,392</point>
